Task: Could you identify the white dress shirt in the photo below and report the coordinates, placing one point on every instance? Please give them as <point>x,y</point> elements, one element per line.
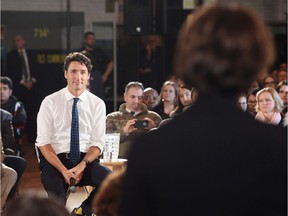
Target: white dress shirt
<point>23,51</point>
<point>54,121</point>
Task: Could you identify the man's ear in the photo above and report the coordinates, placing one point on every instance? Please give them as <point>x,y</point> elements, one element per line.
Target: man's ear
<point>10,92</point>
<point>65,74</point>
<point>124,96</point>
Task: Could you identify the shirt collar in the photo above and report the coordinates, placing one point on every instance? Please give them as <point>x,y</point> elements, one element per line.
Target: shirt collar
<point>69,96</point>
<point>21,50</point>
<point>135,113</point>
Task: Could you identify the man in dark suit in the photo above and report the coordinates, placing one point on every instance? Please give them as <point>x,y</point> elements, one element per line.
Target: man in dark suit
<point>213,159</point>
<point>21,69</point>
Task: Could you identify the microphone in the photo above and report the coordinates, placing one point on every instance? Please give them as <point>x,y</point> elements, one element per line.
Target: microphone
<point>72,186</point>
<point>132,113</point>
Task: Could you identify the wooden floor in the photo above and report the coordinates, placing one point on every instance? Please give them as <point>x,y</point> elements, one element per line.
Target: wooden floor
<point>31,176</point>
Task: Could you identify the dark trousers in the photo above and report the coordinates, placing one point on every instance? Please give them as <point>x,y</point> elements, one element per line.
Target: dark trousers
<point>56,187</point>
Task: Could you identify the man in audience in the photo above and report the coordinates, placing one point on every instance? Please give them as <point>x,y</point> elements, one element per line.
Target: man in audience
<point>124,120</point>
<point>282,76</point>
<point>242,102</point>
<point>17,163</point>
<point>71,134</point>
<point>8,179</point>
<point>102,64</point>
<point>22,70</point>
<point>213,159</point>
<point>11,104</point>
<point>150,97</point>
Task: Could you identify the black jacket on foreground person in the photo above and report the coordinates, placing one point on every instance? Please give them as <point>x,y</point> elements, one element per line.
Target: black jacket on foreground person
<point>213,159</point>
<point>226,164</point>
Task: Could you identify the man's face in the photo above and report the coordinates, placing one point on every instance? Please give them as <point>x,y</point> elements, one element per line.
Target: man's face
<point>133,99</point>
<point>282,75</point>
<point>77,77</point>
<point>150,98</point>
<point>90,41</point>
<point>19,42</point>
<point>252,103</point>
<point>283,93</point>
<point>5,92</point>
<point>242,103</point>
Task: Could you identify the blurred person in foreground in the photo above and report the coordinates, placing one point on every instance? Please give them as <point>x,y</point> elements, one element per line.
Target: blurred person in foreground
<point>224,161</point>
<point>35,203</point>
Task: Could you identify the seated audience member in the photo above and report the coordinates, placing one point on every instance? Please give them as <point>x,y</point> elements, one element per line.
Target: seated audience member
<point>8,179</point>
<point>184,100</point>
<point>33,203</point>
<point>251,102</point>
<point>269,81</point>
<point>282,89</point>
<point>150,97</point>
<point>255,85</point>
<point>123,121</point>
<point>242,102</point>
<point>7,132</point>
<point>224,162</point>
<point>282,76</point>
<point>283,66</point>
<point>269,106</point>
<point>167,100</point>
<point>11,104</point>
<point>107,199</point>
<point>194,94</point>
<point>17,163</point>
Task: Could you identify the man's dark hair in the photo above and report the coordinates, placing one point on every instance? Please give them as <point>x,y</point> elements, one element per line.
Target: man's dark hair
<point>86,34</point>
<point>7,81</point>
<point>79,57</point>
<point>223,49</point>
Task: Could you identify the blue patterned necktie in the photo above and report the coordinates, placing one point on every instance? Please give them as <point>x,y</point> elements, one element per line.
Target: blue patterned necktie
<point>74,145</point>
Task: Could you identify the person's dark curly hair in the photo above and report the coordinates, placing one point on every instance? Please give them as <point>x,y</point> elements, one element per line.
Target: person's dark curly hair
<point>79,57</point>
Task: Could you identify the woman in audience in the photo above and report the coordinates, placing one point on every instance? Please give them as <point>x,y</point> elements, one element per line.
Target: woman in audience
<point>269,106</point>
<point>251,102</point>
<point>167,100</point>
<point>269,81</point>
<point>184,100</point>
<point>282,89</point>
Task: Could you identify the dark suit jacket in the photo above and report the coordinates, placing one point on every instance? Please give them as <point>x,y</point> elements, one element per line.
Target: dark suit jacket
<point>14,71</point>
<point>211,160</point>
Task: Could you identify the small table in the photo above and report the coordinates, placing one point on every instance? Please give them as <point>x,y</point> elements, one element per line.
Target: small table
<point>114,164</point>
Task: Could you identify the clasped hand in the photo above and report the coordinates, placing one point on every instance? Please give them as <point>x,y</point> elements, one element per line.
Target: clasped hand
<point>76,173</point>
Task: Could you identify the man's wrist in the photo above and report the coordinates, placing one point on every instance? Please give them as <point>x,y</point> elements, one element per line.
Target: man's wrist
<point>86,161</point>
